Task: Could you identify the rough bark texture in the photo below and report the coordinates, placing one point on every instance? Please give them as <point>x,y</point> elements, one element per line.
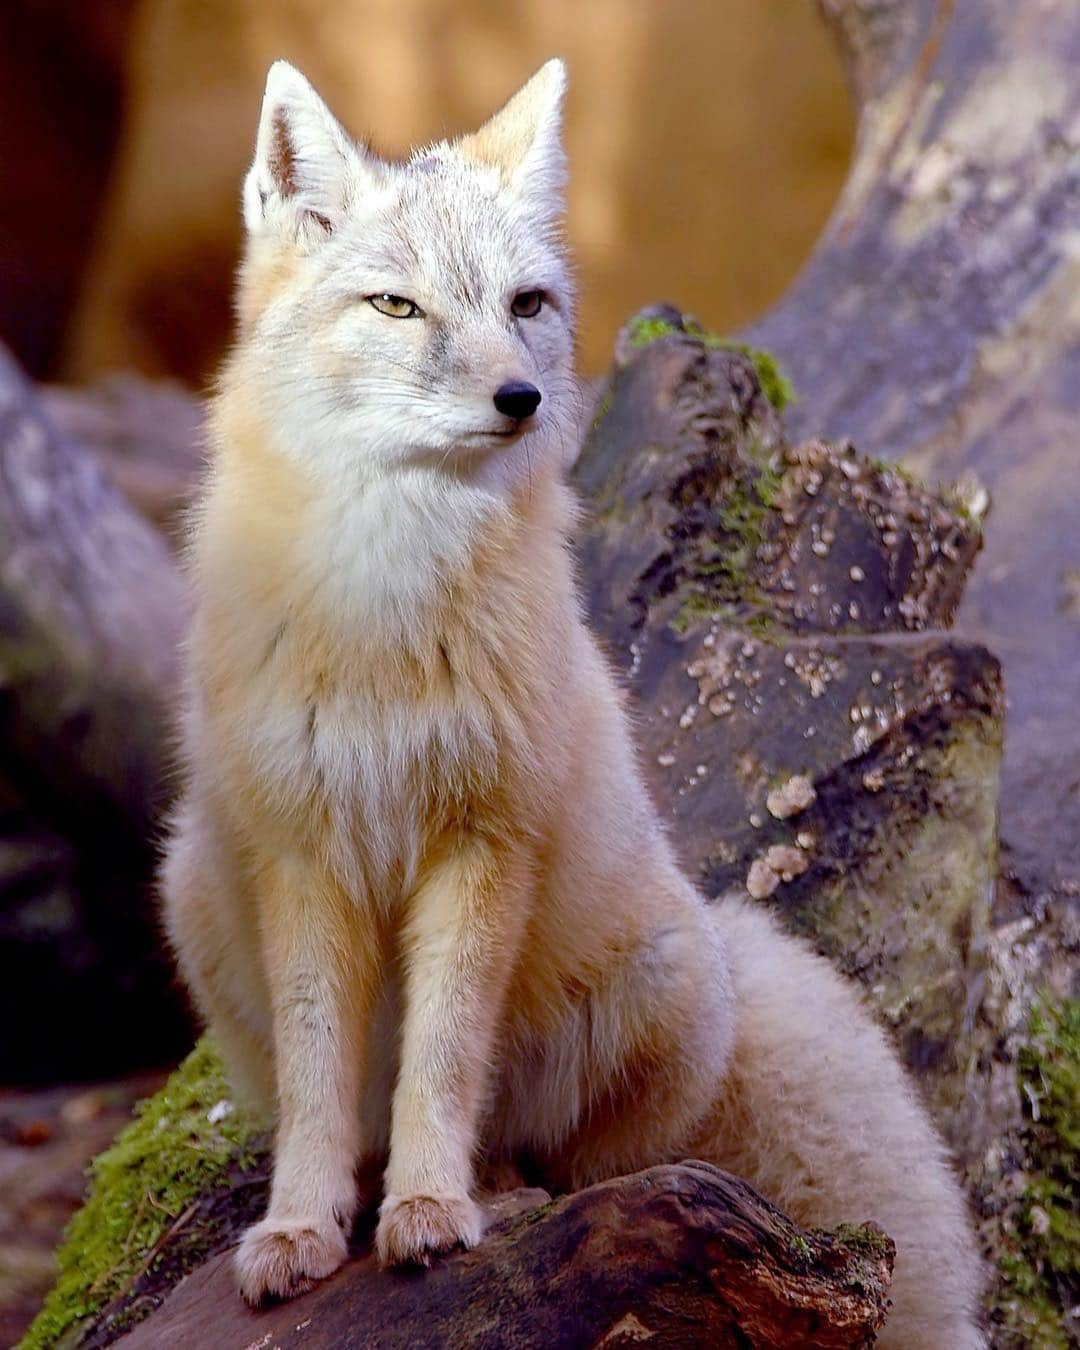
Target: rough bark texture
<point>679,1256</point>
<point>91,608</point>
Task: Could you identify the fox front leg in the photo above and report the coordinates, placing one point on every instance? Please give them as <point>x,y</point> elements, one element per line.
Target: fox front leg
<point>321,976</point>
<point>462,931</point>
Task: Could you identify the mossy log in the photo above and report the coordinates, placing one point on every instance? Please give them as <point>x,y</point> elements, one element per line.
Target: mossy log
<point>91,609</point>
<point>810,733</point>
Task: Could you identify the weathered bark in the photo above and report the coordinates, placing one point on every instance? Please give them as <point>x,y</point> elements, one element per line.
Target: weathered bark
<point>91,608</point>
<point>680,1256</point>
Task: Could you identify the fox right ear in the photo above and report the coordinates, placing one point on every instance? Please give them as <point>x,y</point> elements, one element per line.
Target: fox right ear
<point>305,168</point>
<point>523,141</point>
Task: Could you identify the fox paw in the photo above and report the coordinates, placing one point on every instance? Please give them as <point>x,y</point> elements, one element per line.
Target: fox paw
<point>414,1228</point>
<point>281,1258</point>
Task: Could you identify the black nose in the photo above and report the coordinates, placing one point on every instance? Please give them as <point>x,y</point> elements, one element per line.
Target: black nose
<point>517,399</point>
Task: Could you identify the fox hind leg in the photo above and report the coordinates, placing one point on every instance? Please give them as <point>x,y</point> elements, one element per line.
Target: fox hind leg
<point>217,958</point>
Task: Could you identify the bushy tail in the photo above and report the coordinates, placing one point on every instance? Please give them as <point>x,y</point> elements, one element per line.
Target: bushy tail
<point>818,1114</point>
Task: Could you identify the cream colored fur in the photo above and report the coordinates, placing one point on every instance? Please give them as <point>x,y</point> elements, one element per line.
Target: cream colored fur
<point>415,883</point>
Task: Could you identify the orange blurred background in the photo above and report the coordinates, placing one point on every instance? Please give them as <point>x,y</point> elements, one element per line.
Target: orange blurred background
<point>708,140</point>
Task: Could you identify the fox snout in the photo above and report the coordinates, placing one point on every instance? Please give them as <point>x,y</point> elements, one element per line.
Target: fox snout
<point>517,399</point>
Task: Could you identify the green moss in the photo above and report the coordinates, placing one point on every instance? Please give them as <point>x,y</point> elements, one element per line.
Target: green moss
<point>775,385</point>
<point>954,498</point>
<point>696,606</point>
<point>647,328</point>
<point>1040,1263</point>
<point>140,1189</point>
<point>721,585</point>
<point>885,467</point>
<point>801,1249</point>
<point>866,1238</point>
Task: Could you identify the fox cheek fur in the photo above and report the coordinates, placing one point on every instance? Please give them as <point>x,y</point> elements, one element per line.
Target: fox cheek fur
<point>415,882</point>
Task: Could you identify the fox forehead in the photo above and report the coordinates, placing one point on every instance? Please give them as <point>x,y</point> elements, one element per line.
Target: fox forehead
<point>449,227</point>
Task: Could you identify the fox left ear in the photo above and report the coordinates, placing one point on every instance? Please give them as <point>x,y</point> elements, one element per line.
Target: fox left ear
<point>305,167</point>
<point>524,139</point>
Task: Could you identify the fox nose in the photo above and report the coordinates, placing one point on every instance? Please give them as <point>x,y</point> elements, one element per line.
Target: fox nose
<point>517,399</point>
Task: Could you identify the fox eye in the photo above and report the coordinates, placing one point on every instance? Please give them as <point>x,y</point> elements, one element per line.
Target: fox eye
<point>395,306</point>
<point>527,304</point>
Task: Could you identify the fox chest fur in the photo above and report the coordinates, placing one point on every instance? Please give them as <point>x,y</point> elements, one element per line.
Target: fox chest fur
<point>360,724</point>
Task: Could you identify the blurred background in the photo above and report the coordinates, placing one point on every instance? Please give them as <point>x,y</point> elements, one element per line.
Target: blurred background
<point>708,142</point>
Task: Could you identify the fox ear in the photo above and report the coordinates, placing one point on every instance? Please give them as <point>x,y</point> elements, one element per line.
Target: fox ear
<point>524,138</point>
<point>305,165</point>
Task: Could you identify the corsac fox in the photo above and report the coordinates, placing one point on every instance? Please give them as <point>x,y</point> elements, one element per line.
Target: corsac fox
<point>415,881</point>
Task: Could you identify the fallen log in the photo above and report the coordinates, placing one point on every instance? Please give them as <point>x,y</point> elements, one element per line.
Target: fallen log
<point>678,1256</point>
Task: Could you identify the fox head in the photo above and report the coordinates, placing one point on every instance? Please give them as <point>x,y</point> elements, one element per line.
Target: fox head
<point>409,315</point>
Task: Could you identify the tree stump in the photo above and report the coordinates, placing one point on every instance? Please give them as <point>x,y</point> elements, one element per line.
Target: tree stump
<point>812,736</point>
